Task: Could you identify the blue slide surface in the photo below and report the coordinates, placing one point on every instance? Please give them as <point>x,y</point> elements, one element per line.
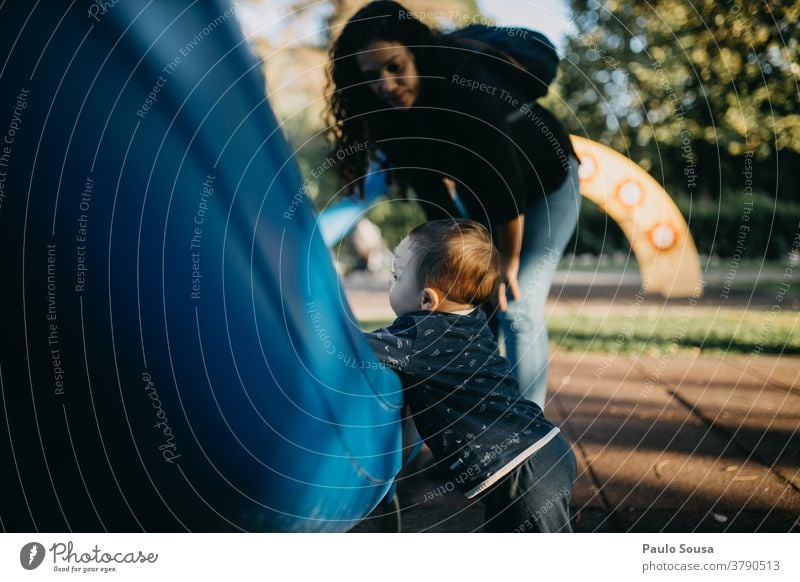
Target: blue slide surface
<point>177,352</point>
<point>337,220</point>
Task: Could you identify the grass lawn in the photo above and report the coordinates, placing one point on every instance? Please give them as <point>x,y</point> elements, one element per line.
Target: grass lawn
<point>654,331</point>
<point>658,330</point>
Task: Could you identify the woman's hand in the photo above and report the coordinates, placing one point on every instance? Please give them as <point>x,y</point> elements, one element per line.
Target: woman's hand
<point>509,243</point>
<point>509,274</point>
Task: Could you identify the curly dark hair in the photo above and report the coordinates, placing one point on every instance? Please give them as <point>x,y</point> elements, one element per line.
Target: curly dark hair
<point>350,98</point>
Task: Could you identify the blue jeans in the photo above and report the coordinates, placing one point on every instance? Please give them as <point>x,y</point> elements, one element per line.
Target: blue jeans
<point>549,224</point>
<point>534,498</point>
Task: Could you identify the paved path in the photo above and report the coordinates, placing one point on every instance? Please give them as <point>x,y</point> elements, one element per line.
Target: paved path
<point>684,444</point>
<point>689,443</point>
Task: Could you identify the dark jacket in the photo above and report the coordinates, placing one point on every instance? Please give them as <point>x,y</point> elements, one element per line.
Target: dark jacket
<point>471,123</point>
<point>465,402</point>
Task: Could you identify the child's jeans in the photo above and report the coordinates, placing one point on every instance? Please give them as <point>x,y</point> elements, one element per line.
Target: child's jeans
<point>535,496</point>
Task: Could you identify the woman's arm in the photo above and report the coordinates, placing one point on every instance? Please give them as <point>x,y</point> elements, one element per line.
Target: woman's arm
<point>497,178</point>
<point>509,243</point>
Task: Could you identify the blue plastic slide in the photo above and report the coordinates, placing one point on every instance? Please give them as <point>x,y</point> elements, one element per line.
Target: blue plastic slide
<point>177,353</point>
<point>338,219</point>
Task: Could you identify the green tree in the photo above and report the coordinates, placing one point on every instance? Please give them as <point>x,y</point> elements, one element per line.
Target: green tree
<point>687,87</point>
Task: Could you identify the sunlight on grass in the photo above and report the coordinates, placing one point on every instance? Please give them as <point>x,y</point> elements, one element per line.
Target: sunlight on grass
<point>654,331</point>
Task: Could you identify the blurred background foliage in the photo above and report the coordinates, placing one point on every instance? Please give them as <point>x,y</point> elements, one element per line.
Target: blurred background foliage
<point>703,94</point>
<point>638,75</point>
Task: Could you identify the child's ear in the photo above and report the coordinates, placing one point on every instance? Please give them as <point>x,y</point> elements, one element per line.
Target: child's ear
<point>429,299</point>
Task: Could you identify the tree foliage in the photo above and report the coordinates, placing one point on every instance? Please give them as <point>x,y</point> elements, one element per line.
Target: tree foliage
<point>688,87</point>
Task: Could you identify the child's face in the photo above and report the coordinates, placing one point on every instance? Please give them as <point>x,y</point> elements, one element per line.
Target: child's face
<point>405,294</point>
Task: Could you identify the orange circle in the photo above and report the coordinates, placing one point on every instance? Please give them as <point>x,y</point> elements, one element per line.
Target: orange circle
<point>588,168</point>
<point>663,236</point>
<point>630,193</point>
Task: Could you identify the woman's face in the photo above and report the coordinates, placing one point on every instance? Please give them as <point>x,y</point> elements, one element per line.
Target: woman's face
<point>391,71</point>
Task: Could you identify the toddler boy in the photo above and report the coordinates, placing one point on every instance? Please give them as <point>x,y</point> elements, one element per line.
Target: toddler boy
<point>465,401</point>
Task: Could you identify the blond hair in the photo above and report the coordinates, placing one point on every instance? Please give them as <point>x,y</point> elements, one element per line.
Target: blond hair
<point>458,257</point>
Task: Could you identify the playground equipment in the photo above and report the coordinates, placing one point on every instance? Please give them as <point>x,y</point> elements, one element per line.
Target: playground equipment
<point>657,232</point>
<point>174,355</point>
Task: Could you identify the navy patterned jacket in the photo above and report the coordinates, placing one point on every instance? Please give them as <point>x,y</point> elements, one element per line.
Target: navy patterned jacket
<point>465,402</point>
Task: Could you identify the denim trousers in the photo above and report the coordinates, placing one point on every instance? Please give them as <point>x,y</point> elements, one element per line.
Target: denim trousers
<point>549,224</point>
<point>535,496</point>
